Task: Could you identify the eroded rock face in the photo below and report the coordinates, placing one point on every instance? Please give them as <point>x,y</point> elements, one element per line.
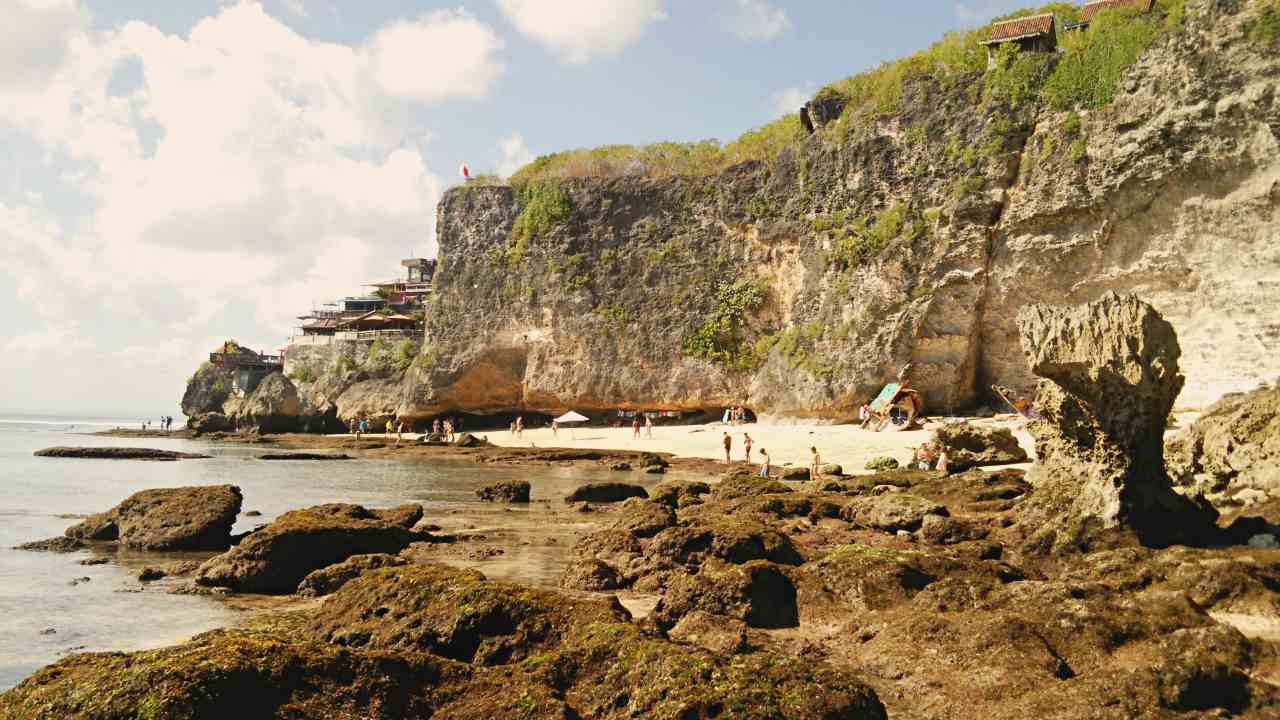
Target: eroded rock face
<point>605,492</point>
<point>1233,447</point>
<point>188,518</point>
<point>1111,377</point>
<point>276,558</point>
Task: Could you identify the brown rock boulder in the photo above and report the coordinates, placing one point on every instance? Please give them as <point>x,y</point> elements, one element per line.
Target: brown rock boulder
<point>454,613</point>
<point>606,492</point>
<point>758,593</point>
<point>738,485</point>
<point>328,580</point>
<point>969,445</point>
<point>276,558</point>
<point>643,518</point>
<point>892,511</point>
<point>717,633</point>
<point>507,491</point>
<point>671,492</point>
<point>1111,378</point>
<point>186,518</point>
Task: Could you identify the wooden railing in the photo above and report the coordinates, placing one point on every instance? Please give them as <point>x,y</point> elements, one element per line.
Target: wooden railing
<point>246,360</point>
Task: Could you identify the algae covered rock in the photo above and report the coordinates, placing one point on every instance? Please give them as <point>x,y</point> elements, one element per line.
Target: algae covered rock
<point>891,512</point>
<point>329,579</point>
<point>736,485</point>
<point>508,491</point>
<point>758,593</point>
<point>670,493</point>
<point>277,557</point>
<point>606,492</point>
<point>186,518</point>
<point>434,642</point>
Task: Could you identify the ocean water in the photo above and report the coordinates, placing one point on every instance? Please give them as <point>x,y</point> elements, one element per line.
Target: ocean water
<point>112,611</point>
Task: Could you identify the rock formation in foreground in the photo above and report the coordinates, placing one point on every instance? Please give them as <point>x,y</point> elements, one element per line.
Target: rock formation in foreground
<point>428,641</point>
<point>186,518</point>
<point>276,558</point>
<point>1111,377</point>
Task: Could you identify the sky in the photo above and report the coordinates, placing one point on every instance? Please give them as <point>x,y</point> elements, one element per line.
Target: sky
<point>179,172</point>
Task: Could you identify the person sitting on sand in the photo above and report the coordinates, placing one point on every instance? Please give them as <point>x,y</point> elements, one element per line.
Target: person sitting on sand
<point>747,442</point>
<point>728,445</point>
<point>764,463</point>
<point>815,464</point>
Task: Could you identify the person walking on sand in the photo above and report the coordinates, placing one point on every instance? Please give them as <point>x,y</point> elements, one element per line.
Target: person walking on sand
<point>648,427</point>
<point>747,442</point>
<point>519,426</point>
<point>764,463</point>
<point>448,431</point>
<point>728,445</point>
<point>555,428</point>
<point>635,427</point>
<point>390,427</point>
<point>399,432</point>
<point>815,464</point>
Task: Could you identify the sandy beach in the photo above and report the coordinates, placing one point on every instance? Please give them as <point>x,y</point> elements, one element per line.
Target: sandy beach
<point>788,444</point>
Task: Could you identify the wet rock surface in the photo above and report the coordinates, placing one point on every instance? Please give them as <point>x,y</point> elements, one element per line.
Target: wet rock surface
<point>117,453</point>
<point>304,456</point>
<point>606,492</point>
<point>276,558</point>
<point>430,641</point>
<point>187,518</point>
<point>329,579</point>
<point>507,491</point>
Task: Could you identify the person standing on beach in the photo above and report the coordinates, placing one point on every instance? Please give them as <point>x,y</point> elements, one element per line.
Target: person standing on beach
<point>747,442</point>
<point>519,426</point>
<point>555,428</point>
<point>728,445</point>
<point>815,464</point>
<point>764,463</point>
<point>648,427</point>
<point>390,427</point>
<point>399,432</point>
<point>448,431</point>
<point>635,426</point>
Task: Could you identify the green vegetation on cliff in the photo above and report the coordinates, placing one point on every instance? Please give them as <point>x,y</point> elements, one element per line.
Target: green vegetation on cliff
<point>1265,29</point>
<point>542,204</point>
<point>720,338</point>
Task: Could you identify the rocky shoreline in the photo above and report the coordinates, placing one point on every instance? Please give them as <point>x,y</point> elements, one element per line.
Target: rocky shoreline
<point>1084,588</point>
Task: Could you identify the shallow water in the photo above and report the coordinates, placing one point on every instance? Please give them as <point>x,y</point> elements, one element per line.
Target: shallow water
<point>112,611</point>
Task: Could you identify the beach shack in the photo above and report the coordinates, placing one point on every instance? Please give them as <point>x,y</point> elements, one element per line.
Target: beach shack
<point>1033,33</point>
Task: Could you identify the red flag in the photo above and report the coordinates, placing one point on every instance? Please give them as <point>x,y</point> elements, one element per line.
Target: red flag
<point>465,172</point>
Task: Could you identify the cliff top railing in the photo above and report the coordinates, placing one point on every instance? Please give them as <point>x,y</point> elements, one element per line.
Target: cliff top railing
<point>246,360</point>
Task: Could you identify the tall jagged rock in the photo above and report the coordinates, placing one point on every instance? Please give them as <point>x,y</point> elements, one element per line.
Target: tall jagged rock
<point>1111,377</point>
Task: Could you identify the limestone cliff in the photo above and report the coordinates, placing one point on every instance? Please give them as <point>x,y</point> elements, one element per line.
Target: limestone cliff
<point>798,286</point>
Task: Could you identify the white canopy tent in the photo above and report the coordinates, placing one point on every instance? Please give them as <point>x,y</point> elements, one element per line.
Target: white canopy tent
<point>569,418</point>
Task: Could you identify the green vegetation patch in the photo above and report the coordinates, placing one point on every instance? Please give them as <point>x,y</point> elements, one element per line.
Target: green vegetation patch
<point>858,241</point>
<point>1093,61</point>
<point>720,337</point>
<point>543,204</point>
<point>1265,28</point>
<point>665,159</point>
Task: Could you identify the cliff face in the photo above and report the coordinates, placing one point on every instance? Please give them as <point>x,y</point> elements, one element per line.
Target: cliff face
<point>799,286</point>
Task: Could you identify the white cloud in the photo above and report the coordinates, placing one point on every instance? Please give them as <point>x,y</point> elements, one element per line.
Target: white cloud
<point>582,30</point>
<point>297,7</point>
<point>34,38</point>
<point>757,20</point>
<point>789,100</point>
<point>515,154</point>
<point>224,180</point>
<point>441,54</point>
